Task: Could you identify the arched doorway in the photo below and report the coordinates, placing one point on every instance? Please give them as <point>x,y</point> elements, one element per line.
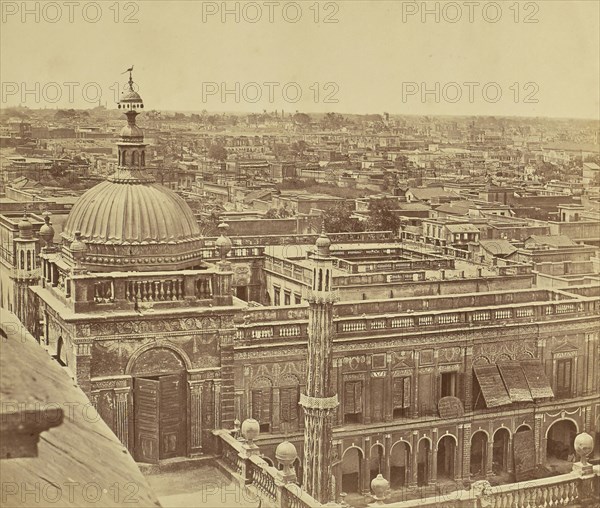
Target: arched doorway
<point>351,470</point>
<point>399,461</point>
<point>501,451</point>
<point>479,444</point>
<point>445,457</point>
<point>560,437</point>
<point>423,462</point>
<point>376,462</point>
<point>159,403</point>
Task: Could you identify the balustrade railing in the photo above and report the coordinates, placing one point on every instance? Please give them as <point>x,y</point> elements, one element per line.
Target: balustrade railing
<point>261,479</point>
<point>562,490</point>
<point>104,292</point>
<point>349,325</point>
<point>155,290</point>
<point>255,474</point>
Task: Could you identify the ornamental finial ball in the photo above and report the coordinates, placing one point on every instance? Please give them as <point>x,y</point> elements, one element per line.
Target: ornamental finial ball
<point>250,429</point>
<point>584,445</point>
<point>379,486</point>
<point>286,453</point>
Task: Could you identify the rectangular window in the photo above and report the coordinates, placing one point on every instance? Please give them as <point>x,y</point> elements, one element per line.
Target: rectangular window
<point>288,408</point>
<point>287,298</point>
<point>563,377</point>
<point>353,402</point>
<point>448,384</point>
<point>297,299</point>
<point>401,396</point>
<point>276,295</point>
<point>261,408</point>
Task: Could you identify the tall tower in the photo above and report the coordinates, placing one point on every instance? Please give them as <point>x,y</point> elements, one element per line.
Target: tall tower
<point>25,272</point>
<point>320,400</point>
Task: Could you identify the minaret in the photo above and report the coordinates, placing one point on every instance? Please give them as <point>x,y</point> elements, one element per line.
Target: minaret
<point>320,401</point>
<point>25,272</point>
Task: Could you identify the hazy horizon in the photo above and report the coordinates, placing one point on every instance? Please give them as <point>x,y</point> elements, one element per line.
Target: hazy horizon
<point>533,59</point>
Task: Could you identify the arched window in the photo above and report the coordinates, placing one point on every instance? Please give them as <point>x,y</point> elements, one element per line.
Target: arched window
<point>143,159</point>
<point>28,260</point>
<point>134,158</point>
<point>124,158</point>
<point>22,260</point>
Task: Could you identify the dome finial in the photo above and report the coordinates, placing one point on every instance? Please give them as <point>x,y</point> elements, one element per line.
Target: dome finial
<point>130,99</point>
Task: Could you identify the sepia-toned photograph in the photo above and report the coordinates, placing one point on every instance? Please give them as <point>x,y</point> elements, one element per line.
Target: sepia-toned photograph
<point>300,254</point>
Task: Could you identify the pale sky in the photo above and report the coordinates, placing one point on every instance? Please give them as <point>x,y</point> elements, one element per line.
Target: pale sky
<point>379,56</point>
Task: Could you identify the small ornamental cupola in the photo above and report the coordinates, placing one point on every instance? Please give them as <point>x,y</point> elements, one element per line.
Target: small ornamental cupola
<point>47,231</point>
<point>323,263</point>
<point>132,149</point>
<point>25,227</point>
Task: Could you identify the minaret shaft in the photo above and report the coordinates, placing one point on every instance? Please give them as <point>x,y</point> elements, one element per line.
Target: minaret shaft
<point>318,421</point>
<point>320,400</point>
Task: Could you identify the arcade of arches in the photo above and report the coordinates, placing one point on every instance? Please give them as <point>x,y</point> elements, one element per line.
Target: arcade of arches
<point>489,453</point>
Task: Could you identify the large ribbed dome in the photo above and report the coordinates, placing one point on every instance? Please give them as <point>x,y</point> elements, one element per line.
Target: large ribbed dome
<point>131,214</point>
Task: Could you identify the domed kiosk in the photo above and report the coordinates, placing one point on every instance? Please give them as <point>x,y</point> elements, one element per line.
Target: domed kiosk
<point>129,220</point>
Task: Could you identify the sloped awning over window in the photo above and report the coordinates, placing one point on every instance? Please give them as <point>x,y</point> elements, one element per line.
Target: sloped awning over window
<point>515,381</point>
<point>536,379</point>
<point>491,384</point>
<point>509,382</point>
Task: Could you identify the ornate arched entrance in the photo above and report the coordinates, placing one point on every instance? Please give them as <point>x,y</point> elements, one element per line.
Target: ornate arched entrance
<point>479,445</point>
<point>423,465</point>
<point>501,456</point>
<point>159,404</point>
<point>351,470</point>
<point>560,437</point>
<point>376,463</point>
<point>399,461</point>
<point>445,457</point>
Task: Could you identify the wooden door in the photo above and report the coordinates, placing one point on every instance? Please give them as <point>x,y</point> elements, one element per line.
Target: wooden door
<point>172,416</point>
<point>146,395</point>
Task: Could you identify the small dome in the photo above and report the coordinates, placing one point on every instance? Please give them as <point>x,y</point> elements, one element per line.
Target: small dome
<point>130,96</point>
<point>25,227</point>
<point>223,243</point>
<point>47,231</point>
<point>323,244</point>
<point>286,452</point>
<point>77,245</point>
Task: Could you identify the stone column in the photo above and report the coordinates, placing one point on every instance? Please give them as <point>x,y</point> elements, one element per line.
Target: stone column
<point>468,378</point>
<point>414,408</point>
<point>121,415</point>
<point>196,388</point>
<point>433,462</point>
<point>466,451</point>
<point>509,458</point>
<point>387,448</point>
<point>414,460</point>
<point>366,466</point>
<point>489,469</point>
<point>539,440</point>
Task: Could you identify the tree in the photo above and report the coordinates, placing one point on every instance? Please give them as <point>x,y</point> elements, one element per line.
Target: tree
<point>302,119</point>
<point>217,152</point>
<point>382,216</point>
<point>338,219</point>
